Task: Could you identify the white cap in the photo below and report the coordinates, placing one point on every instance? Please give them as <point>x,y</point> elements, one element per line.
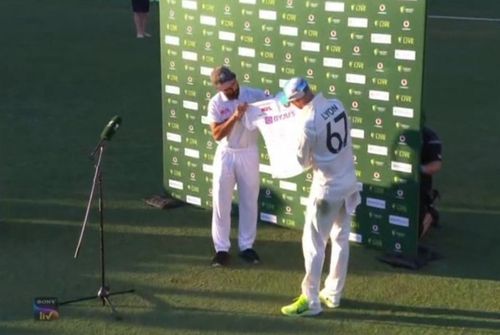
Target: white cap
<point>293,89</point>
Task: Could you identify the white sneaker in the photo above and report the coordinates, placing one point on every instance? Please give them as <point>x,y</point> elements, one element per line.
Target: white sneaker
<point>328,301</point>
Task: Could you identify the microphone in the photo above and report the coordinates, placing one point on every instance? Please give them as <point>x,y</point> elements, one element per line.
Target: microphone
<point>107,133</point>
<point>111,128</point>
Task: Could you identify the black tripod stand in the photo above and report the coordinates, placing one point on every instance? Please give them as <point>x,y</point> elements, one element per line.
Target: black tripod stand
<point>104,291</point>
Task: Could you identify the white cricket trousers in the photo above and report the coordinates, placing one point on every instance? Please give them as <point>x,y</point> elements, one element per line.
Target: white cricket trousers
<point>240,167</point>
<point>325,218</point>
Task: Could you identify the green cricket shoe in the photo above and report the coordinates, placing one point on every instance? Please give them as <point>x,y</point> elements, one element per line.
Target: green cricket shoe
<point>300,307</point>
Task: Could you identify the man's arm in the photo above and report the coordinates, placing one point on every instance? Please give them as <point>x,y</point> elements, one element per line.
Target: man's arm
<point>431,167</point>
<point>304,152</point>
<point>222,129</point>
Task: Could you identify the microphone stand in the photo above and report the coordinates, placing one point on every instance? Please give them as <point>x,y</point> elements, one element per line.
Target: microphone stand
<point>104,292</point>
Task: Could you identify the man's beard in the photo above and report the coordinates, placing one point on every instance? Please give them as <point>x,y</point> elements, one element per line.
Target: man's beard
<point>234,95</point>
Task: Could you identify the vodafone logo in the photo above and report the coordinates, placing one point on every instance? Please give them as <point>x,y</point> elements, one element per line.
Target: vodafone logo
<point>310,72</point>
<point>404,82</point>
<point>331,88</point>
<point>381,8</point>
<point>333,33</point>
<point>406,24</point>
<point>355,104</point>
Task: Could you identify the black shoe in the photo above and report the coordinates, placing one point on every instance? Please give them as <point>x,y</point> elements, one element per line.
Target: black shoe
<point>250,256</point>
<point>221,258</point>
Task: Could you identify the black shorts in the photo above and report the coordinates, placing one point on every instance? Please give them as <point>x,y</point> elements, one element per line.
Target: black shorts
<point>140,6</point>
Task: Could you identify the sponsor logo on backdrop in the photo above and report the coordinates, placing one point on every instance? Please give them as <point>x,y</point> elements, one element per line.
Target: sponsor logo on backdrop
<point>374,40</point>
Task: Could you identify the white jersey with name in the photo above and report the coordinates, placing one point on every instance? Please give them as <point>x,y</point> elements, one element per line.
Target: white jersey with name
<point>277,125</point>
<point>325,145</point>
<point>220,108</point>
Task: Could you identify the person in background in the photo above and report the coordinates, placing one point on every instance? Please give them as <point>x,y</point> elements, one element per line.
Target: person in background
<point>141,12</point>
<point>325,145</point>
<point>236,161</point>
<point>431,163</point>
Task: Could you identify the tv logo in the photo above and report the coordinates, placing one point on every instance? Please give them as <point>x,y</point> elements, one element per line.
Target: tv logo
<point>45,309</point>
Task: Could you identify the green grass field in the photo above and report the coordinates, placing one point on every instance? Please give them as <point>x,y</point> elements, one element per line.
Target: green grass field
<point>69,66</point>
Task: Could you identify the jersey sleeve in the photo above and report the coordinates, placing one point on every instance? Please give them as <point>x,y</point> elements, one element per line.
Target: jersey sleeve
<point>258,95</point>
<point>213,115</point>
<point>304,153</point>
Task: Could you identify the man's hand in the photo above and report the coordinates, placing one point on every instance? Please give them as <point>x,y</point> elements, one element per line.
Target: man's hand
<point>240,111</point>
<point>222,129</point>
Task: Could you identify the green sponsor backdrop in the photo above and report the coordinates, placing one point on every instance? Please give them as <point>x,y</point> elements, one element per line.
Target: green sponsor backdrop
<point>367,53</point>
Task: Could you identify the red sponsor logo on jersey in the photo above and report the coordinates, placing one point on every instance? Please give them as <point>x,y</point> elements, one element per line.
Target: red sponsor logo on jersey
<point>225,111</point>
<point>279,117</point>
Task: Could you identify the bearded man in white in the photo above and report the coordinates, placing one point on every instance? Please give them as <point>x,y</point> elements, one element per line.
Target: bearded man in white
<point>236,161</point>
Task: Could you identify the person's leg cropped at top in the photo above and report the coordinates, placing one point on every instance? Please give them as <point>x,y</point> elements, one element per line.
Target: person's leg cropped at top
<point>222,193</point>
<point>339,260</point>
<point>320,216</point>
<point>247,179</point>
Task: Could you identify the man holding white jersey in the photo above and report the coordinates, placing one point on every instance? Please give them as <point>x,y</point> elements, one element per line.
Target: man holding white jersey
<point>236,161</point>
<point>325,145</point>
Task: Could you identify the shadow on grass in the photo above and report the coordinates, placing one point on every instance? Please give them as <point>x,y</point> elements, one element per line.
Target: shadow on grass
<point>161,314</point>
<point>41,239</point>
<point>182,235</point>
<point>151,308</point>
<point>442,317</point>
